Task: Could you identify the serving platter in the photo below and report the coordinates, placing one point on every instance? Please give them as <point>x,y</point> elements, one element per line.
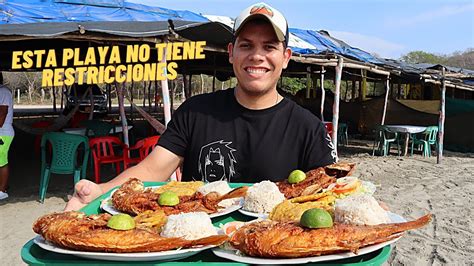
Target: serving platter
<point>168,255</point>
<point>237,256</point>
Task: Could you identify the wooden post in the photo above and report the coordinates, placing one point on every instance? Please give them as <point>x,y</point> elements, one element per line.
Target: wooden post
<point>120,88</point>
<point>54,99</point>
<point>387,90</point>
<point>214,75</point>
<point>363,88</point>
<point>335,107</point>
<point>439,152</point>
<point>165,90</point>
<point>314,80</point>
<point>323,94</point>
<point>131,102</point>
<point>109,96</point>
<point>353,89</point>
<point>185,85</point>
<point>91,98</point>
<point>308,82</point>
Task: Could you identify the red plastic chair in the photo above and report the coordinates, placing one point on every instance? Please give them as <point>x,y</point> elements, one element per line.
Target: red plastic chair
<point>103,153</point>
<point>144,147</point>
<point>329,127</point>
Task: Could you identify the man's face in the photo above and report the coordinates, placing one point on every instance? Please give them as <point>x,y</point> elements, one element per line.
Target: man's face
<point>258,58</point>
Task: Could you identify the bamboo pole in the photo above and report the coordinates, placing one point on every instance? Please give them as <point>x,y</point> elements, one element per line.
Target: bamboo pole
<point>439,152</point>
<point>387,91</point>
<point>335,107</point>
<point>323,93</point>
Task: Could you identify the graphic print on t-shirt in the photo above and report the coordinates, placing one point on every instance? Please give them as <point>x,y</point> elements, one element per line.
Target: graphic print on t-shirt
<point>331,146</point>
<point>217,161</point>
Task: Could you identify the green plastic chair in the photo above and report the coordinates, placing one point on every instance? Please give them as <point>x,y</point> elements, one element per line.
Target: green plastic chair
<point>425,139</point>
<point>64,150</point>
<point>97,128</point>
<point>342,136</point>
<point>383,139</point>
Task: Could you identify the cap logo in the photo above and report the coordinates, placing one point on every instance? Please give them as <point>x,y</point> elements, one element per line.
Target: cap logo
<point>261,9</point>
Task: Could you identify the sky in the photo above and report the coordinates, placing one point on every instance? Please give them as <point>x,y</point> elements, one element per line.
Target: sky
<point>386,28</point>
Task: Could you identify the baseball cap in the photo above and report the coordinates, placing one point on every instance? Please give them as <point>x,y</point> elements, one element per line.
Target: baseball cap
<point>278,21</point>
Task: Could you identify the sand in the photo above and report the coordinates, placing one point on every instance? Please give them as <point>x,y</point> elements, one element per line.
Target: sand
<point>411,186</point>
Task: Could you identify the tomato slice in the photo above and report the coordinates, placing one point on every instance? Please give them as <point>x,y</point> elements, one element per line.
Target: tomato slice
<point>346,186</point>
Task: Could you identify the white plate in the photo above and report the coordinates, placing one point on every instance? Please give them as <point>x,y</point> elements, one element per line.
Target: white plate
<point>232,255</point>
<point>254,214</point>
<point>107,206</point>
<point>168,255</point>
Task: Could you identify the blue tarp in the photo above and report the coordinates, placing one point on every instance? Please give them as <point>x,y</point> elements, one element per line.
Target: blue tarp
<point>323,43</point>
<point>31,11</point>
<point>30,18</point>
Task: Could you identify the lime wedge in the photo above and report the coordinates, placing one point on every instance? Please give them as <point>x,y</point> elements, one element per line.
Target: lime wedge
<point>121,221</point>
<point>316,218</point>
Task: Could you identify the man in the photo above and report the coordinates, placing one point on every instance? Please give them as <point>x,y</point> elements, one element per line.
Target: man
<point>246,134</point>
<point>6,135</point>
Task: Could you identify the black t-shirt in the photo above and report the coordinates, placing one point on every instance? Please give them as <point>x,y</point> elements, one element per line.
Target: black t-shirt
<point>222,140</point>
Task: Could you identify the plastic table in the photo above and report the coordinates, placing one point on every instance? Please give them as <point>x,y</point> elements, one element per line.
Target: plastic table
<point>407,130</point>
<point>34,255</point>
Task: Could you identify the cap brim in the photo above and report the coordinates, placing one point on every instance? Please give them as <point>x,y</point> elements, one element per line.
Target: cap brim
<point>280,35</point>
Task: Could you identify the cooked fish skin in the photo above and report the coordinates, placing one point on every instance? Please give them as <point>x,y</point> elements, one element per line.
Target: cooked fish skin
<point>340,169</point>
<point>76,231</point>
<point>315,181</point>
<point>133,198</point>
<point>272,239</point>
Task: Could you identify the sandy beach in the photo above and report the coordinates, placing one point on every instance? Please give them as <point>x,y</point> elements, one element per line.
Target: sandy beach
<point>411,186</point>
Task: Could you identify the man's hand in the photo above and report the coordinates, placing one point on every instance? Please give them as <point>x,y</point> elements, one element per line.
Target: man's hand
<point>85,191</point>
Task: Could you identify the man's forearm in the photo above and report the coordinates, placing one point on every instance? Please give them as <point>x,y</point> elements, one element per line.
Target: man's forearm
<point>157,166</point>
<point>141,172</point>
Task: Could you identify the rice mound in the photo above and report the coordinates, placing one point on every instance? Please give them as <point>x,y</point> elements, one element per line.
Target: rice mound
<point>262,197</point>
<point>360,209</point>
<point>221,187</point>
<point>190,226</point>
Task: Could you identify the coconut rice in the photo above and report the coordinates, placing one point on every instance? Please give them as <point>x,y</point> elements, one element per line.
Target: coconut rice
<point>360,209</point>
<point>262,197</point>
<point>190,226</point>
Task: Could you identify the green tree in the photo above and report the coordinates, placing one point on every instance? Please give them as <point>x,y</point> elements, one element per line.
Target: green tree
<point>416,57</point>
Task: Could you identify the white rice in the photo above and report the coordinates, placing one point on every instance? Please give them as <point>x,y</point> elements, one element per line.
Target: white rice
<point>221,187</point>
<point>262,197</point>
<point>360,209</point>
<point>190,226</point>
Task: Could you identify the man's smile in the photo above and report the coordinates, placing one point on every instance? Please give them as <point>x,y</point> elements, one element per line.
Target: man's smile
<point>256,70</point>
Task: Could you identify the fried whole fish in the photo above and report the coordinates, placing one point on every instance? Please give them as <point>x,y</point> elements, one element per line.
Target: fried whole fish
<point>77,231</point>
<point>316,180</point>
<point>133,198</point>
<point>272,239</point>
